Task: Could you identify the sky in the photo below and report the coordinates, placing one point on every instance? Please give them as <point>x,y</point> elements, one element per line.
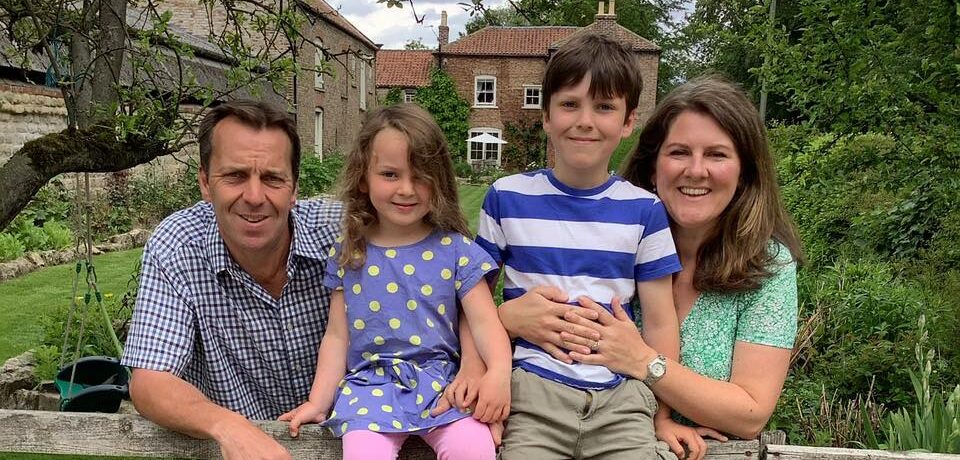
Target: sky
<point>393,27</point>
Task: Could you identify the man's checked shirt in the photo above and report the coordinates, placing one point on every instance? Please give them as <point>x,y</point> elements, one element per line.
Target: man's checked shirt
<point>201,317</point>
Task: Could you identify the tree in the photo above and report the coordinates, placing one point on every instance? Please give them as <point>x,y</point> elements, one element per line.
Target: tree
<point>415,44</point>
<point>451,111</point>
<point>124,75</point>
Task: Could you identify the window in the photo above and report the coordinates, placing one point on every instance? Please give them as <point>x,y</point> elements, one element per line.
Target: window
<point>352,63</point>
<point>486,154</point>
<point>531,96</point>
<point>318,133</point>
<point>409,94</point>
<point>485,93</point>
<point>363,87</point>
<point>318,62</point>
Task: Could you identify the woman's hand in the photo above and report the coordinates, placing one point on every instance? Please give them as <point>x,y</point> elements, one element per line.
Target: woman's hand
<point>686,442</point>
<point>618,346</point>
<point>539,317</point>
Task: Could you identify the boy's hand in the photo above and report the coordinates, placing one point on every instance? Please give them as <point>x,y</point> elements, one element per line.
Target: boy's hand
<point>307,412</point>
<point>493,403</point>
<point>685,441</point>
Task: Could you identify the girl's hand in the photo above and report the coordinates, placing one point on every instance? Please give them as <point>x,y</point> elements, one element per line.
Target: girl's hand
<point>619,345</point>
<point>685,441</point>
<point>539,316</point>
<point>307,412</point>
<point>461,393</point>
<point>496,430</point>
<point>493,404</point>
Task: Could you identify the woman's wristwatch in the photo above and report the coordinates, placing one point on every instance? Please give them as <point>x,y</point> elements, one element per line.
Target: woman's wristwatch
<point>655,370</point>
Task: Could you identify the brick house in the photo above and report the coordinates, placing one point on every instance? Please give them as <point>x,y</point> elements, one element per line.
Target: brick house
<point>407,70</point>
<point>329,107</point>
<point>499,70</point>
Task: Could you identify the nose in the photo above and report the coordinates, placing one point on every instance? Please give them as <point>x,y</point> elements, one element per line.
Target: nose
<point>585,119</point>
<point>697,167</point>
<point>406,186</point>
<point>253,192</point>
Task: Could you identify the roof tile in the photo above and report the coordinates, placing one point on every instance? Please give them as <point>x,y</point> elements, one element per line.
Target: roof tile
<point>509,41</point>
<point>404,68</point>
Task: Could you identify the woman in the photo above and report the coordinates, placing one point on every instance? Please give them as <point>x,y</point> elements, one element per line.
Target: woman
<point>705,153</point>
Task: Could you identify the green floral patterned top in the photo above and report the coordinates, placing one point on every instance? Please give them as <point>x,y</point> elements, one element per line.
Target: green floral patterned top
<point>766,316</point>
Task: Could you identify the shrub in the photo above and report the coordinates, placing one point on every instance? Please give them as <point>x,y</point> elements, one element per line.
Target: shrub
<point>10,247</point>
<point>32,237</point>
<point>318,176</point>
<point>59,235</point>
<point>462,169</point>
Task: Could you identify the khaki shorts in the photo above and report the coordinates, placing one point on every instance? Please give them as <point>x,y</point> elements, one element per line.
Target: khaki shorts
<point>549,420</point>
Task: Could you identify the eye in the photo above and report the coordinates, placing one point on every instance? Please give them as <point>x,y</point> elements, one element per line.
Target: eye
<point>568,104</point>
<point>389,174</point>
<point>677,152</point>
<point>606,107</point>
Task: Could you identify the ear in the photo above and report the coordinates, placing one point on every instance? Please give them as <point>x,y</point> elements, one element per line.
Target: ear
<point>202,177</point>
<point>629,123</point>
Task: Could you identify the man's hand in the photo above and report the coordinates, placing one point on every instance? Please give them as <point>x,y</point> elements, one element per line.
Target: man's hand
<point>239,439</point>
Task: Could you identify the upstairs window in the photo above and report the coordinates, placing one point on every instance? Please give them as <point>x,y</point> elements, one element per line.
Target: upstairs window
<point>531,96</point>
<point>485,92</point>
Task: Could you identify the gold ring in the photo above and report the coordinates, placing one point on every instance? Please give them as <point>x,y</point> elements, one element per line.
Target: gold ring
<point>595,345</point>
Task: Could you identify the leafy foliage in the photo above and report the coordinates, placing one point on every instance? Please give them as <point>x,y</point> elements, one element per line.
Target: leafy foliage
<point>527,148</point>
<point>451,111</point>
<point>10,247</point>
<point>318,176</point>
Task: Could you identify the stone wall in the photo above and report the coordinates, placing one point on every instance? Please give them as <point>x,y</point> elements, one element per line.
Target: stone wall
<point>26,113</point>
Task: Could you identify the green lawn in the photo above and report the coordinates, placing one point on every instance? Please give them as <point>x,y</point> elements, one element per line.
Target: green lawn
<point>471,198</point>
<point>29,297</point>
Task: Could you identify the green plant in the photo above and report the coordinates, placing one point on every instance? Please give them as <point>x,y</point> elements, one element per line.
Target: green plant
<point>934,423</point>
<point>32,237</point>
<point>462,168</point>
<point>318,176</point>
<point>59,236</point>
<point>451,111</point>
<point>394,96</point>
<point>527,148</point>
<point>10,247</point>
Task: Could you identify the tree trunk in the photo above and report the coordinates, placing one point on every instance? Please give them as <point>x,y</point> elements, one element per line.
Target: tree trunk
<point>90,150</point>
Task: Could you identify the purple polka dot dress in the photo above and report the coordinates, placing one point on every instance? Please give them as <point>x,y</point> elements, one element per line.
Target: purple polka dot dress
<point>402,317</point>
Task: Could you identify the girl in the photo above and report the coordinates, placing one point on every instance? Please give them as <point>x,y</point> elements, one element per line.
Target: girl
<point>403,265</point>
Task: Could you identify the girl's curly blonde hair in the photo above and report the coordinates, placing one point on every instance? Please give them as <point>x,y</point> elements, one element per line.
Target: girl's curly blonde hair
<point>430,161</point>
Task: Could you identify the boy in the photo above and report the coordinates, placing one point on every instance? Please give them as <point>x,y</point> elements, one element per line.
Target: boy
<point>591,234</point>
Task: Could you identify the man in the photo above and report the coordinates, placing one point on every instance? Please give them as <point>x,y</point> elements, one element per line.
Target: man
<point>231,307</point>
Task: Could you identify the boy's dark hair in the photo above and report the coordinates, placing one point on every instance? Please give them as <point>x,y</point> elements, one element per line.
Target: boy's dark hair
<point>612,65</point>
<point>255,114</point>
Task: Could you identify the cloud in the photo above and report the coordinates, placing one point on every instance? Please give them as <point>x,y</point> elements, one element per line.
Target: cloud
<point>393,27</point>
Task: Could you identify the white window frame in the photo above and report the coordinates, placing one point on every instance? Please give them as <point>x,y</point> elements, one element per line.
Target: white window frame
<point>318,82</point>
<point>485,148</point>
<point>318,132</point>
<point>477,92</point>
<point>363,86</point>
<point>409,94</point>
<point>526,95</point>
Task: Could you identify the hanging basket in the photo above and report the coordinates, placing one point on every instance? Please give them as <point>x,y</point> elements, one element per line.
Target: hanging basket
<point>99,384</point>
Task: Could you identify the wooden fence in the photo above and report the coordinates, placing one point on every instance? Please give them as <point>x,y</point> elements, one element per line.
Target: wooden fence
<point>133,436</point>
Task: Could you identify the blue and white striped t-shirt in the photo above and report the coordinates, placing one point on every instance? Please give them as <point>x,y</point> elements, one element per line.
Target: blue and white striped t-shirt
<point>596,243</point>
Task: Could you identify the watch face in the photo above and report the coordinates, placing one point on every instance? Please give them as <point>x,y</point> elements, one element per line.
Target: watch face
<point>657,369</point>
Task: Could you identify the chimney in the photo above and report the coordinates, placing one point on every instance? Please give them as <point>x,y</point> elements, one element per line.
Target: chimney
<point>606,21</point>
<point>444,30</point>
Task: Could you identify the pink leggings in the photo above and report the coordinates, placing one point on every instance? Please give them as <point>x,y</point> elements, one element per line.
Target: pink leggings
<point>465,439</point>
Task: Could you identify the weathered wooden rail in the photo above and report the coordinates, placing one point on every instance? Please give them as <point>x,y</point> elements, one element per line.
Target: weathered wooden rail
<point>133,436</point>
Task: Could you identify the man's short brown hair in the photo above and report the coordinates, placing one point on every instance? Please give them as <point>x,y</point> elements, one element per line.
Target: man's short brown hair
<point>255,114</point>
<point>612,65</point>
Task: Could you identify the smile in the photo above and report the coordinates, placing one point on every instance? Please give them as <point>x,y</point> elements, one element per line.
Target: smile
<point>253,218</point>
<point>694,191</point>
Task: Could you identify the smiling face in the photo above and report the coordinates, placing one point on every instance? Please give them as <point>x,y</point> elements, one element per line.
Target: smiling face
<point>401,199</point>
<point>697,171</point>
<point>250,184</point>
<point>585,131</point>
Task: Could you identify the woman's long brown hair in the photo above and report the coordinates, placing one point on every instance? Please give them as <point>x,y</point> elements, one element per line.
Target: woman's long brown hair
<point>736,256</point>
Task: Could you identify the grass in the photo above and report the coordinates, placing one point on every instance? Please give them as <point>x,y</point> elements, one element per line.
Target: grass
<point>471,198</point>
<point>34,295</point>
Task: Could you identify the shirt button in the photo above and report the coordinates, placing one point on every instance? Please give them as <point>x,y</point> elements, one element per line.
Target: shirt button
<point>289,325</point>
